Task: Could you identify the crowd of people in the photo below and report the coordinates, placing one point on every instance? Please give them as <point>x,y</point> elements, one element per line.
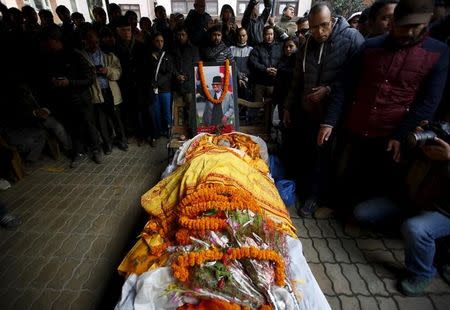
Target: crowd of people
<point>356,96</point>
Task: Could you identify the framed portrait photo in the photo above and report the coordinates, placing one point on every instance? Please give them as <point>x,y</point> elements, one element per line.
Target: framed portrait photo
<point>215,97</point>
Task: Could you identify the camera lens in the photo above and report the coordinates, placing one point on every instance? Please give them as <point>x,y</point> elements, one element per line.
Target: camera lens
<point>421,138</point>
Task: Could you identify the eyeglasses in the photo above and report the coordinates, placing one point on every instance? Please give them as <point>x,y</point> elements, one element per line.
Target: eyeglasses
<point>302,31</point>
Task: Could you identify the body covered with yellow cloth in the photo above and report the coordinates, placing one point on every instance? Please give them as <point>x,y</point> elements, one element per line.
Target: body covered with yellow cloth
<point>231,160</point>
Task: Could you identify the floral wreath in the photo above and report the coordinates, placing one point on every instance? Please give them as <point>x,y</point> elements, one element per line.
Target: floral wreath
<point>205,89</point>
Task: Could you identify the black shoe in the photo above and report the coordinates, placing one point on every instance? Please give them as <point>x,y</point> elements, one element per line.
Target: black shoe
<point>152,142</point>
<point>97,156</point>
<point>77,160</point>
<point>122,146</point>
<point>9,221</point>
<point>108,149</point>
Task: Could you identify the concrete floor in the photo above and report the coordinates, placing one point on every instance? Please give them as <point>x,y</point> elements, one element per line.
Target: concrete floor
<point>79,223</point>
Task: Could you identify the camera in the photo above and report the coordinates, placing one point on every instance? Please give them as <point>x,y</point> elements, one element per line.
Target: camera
<point>430,131</point>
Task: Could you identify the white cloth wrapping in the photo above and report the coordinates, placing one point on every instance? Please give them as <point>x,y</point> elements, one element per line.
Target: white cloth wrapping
<point>147,291</point>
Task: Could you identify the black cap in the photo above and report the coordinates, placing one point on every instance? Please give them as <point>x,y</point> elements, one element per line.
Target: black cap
<point>411,12</point>
<point>217,80</point>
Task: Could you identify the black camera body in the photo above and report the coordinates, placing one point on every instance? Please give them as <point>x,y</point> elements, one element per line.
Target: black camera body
<point>430,131</point>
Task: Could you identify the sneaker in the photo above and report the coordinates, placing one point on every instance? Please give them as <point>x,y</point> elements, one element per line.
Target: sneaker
<point>4,185</point>
<point>414,285</point>
<point>309,207</point>
<point>122,146</point>
<point>97,156</point>
<point>108,149</point>
<point>77,160</point>
<point>324,213</point>
<point>152,142</point>
<point>446,273</point>
<point>9,221</point>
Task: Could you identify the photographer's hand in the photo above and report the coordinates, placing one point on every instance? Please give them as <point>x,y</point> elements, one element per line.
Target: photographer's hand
<point>324,134</point>
<point>394,146</point>
<point>439,152</point>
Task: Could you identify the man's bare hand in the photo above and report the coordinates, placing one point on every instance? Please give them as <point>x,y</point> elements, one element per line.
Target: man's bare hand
<point>286,118</point>
<point>324,134</point>
<point>271,21</point>
<point>60,82</point>
<point>394,147</point>
<point>318,94</point>
<point>439,152</point>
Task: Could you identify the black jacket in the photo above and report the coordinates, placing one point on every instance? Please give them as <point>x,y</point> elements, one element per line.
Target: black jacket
<point>321,64</point>
<point>255,26</point>
<point>185,58</point>
<point>197,26</point>
<point>166,72</point>
<point>216,53</point>
<point>262,57</point>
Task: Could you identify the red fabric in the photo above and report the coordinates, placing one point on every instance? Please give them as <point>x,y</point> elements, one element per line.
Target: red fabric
<point>391,80</point>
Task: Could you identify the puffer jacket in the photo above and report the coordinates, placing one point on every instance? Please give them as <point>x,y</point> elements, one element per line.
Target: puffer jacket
<point>321,64</point>
<point>241,55</point>
<point>112,63</point>
<point>216,53</point>
<point>255,26</point>
<point>262,57</point>
<point>397,88</point>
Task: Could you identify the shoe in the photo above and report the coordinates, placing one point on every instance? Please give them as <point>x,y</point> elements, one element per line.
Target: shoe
<point>308,208</point>
<point>9,221</point>
<point>446,273</point>
<point>108,149</point>
<point>122,146</point>
<point>4,185</point>
<point>97,156</point>
<point>77,160</point>
<point>324,213</point>
<point>152,142</point>
<point>414,285</point>
<point>139,141</point>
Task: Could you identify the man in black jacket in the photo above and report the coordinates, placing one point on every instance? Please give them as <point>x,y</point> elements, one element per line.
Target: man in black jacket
<point>253,23</point>
<point>186,55</point>
<point>65,81</point>
<point>320,61</point>
<point>197,23</point>
<point>216,51</point>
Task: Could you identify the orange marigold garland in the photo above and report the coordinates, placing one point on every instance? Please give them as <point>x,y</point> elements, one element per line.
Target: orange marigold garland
<point>198,208</point>
<point>203,223</point>
<point>183,262</point>
<point>205,89</point>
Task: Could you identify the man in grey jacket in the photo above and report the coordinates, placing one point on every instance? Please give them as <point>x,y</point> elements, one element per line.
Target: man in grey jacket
<point>221,113</point>
<point>320,62</point>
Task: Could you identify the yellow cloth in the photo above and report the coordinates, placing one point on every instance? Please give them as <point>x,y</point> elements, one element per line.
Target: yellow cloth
<point>215,164</point>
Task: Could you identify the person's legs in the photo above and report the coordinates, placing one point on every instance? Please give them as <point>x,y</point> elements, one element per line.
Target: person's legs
<point>156,110</point>
<point>28,141</point>
<point>165,100</point>
<point>379,212</point>
<point>59,131</point>
<point>420,233</point>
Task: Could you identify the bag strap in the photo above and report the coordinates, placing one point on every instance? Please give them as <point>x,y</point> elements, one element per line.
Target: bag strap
<point>159,65</point>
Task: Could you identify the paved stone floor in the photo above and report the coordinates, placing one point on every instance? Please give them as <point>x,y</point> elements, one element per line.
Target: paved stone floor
<point>78,224</point>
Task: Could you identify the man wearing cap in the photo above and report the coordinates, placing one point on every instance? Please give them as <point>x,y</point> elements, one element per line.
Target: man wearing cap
<point>399,78</point>
<point>221,113</point>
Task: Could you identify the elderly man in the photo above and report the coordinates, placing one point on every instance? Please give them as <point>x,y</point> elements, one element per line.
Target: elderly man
<point>220,113</point>
<point>321,60</point>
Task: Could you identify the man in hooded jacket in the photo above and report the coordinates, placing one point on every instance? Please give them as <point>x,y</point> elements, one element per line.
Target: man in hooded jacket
<point>320,62</point>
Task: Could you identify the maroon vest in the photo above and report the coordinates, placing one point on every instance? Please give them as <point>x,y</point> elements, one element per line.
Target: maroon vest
<point>390,82</point>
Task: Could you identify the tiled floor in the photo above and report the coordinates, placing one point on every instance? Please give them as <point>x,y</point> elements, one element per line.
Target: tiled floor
<point>78,224</point>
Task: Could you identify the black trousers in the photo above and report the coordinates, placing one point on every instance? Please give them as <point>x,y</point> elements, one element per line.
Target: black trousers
<point>113,117</point>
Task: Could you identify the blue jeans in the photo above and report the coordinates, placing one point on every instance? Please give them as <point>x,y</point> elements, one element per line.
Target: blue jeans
<point>162,112</point>
<point>419,232</point>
